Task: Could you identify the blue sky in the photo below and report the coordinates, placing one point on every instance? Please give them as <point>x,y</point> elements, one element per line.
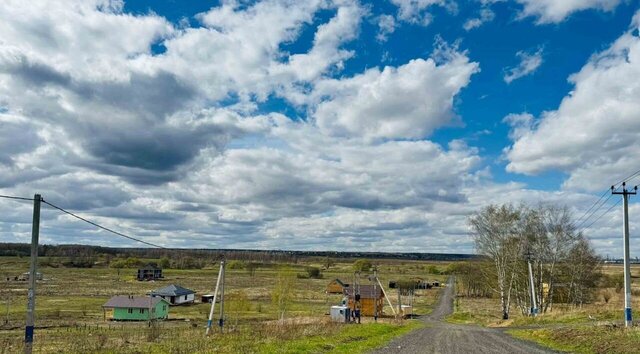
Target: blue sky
<point>315,124</point>
<point>566,46</point>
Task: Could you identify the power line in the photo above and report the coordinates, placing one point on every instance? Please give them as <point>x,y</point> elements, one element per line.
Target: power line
<point>590,212</point>
<point>633,175</point>
<point>592,205</point>
<point>14,197</point>
<point>603,214</point>
<point>599,205</point>
<point>100,226</point>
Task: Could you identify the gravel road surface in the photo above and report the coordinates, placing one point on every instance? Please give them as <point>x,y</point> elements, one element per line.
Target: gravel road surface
<point>445,338</point>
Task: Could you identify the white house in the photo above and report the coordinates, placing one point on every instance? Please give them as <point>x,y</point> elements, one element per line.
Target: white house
<point>175,294</point>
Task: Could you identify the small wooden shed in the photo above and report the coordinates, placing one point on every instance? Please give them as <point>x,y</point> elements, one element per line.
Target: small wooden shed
<point>371,296</point>
<point>336,286</point>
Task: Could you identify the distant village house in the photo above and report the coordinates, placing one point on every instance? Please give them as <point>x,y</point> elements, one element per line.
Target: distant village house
<point>149,272</point>
<point>135,308</point>
<point>175,294</point>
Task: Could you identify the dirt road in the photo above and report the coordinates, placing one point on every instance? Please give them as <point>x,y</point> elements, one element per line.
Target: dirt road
<point>444,338</point>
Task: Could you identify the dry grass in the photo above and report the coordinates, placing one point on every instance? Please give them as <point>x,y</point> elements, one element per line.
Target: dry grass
<point>69,305</point>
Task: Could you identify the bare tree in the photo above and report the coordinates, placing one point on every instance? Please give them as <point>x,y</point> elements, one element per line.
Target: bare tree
<point>566,267</point>
<point>497,234</point>
<point>282,294</point>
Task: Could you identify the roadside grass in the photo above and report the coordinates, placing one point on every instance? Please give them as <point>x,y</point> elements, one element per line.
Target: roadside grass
<point>598,339</point>
<point>591,328</point>
<point>351,339</point>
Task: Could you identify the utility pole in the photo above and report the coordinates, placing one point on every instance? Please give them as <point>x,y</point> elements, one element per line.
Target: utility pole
<point>221,322</point>
<point>534,308</point>
<point>375,294</point>
<point>628,322</point>
<point>399,302</point>
<point>215,295</point>
<point>33,268</point>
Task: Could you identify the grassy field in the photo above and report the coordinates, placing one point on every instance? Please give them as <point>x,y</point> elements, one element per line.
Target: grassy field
<point>69,315</point>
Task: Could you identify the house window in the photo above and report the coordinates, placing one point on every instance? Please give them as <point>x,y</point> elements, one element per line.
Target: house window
<point>130,310</point>
<point>141,310</point>
<point>185,297</point>
<point>164,307</point>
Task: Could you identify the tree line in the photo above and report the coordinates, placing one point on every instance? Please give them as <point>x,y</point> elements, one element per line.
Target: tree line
<point>565,267</point>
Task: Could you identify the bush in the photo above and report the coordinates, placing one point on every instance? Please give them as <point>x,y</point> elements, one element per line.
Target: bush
<point>235,264</point>
<point>164,262</point>
<point>314,272</point>
<point>362,265</point>
<point>431,269</point>
<point>117,264</point>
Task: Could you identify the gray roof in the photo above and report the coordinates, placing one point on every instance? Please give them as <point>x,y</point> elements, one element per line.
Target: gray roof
<point>150,267</point>
<point>132,301</point>
<point>172,290</point>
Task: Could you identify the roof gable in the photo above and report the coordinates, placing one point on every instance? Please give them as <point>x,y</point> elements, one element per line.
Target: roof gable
<point>133,301</point>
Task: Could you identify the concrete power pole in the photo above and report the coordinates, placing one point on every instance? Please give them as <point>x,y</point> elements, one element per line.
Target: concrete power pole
<point>534,308</point>
<point>33,269</point>
<point>375,294</point>
<point>628,321</point>
<point>221,322</point>
<point>215,295</point>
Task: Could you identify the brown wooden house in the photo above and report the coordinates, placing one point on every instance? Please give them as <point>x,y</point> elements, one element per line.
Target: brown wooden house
<point>336,286</point>
<point>370,297</point>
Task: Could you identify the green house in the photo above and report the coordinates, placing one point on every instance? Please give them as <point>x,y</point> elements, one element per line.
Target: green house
<point>135,308</point>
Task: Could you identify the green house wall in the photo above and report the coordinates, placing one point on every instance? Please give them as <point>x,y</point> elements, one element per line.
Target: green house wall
<point>122,313</point>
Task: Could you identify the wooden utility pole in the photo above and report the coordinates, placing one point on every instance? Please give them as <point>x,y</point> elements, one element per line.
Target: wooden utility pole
<point>628,320</point>
<point>33,269</point>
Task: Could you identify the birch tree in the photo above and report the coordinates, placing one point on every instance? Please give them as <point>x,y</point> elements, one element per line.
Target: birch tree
<point>497,235</point>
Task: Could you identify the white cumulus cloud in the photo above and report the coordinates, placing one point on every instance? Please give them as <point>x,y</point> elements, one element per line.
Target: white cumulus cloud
<point>529,63</point>
<point>593,134</point>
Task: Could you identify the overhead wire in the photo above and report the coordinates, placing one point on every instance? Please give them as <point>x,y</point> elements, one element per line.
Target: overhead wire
<point>14,197</point>
<point>590,208</point>
<point>598,204</point>
<point>102,227</point>
<point>603,214</point>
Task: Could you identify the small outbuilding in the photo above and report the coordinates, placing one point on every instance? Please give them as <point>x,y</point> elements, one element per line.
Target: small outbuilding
<point>175,294</point>
<point>25,276</point>
<point>149,272</point>
<point>135,308</point>
<point>208,298</point>
<point>371,297</point>
<point>336,286</point>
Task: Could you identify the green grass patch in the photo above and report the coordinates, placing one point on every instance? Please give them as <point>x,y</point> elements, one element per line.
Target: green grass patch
<point>350,339</point>
<point>585,339</point>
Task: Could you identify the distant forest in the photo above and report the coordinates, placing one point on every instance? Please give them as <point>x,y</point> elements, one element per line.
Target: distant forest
<point>83,251</point>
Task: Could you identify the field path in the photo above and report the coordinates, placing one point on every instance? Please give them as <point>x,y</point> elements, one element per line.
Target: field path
<point>445,338</point>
